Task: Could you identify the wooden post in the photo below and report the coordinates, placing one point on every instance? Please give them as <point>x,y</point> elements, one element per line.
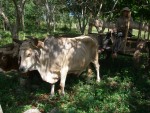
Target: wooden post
<point>148,45</point>
<point>91,23</point>
<point>126,31</point>
<point>148,31</point>
<point>140,25</point>
<point>144,25</point>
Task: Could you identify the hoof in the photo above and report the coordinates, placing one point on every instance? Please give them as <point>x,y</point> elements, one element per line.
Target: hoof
<point>61,93</point>
<point>98,80</point>
<point>51,95</point>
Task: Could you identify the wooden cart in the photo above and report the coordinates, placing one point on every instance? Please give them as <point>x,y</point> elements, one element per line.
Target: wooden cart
<point>138,48</point>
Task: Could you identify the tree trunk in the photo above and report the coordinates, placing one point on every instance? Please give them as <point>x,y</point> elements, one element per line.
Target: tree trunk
<point>4,27</point>
<point>47,15</point>
<point>12,28</point>
<point>82,21</point>
<point>6,20</point>
<point>54,25</point>
<point>126,32</point>
<point>50,8</point>
<point>109,16</point>
<point>100,8</point>
<point>81,25</point>
<point>19,25</point>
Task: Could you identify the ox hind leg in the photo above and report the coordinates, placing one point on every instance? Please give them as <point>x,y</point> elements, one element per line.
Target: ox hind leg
<point>97,66</point>
<point>63,76</point>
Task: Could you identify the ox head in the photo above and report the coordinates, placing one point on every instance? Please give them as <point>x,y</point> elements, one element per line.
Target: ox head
<point>29,54</point>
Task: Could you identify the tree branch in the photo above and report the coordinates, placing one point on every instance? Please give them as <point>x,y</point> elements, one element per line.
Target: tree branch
<point>6,20</point>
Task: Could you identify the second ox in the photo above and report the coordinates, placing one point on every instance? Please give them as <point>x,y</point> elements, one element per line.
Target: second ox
<point>56,57</point>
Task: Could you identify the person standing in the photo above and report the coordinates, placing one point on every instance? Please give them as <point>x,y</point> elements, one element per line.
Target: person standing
<point>123,26</point>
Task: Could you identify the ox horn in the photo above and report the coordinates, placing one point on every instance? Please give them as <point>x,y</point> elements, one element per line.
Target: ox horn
<point>17,41</point>
<point>30,37</point>
<point>34,40</point>
<point>7,52</point>
<point>1,51</point>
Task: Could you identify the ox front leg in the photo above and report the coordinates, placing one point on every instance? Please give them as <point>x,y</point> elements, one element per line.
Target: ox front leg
<point>63,73</point>
<point>52,89</point>
<point>97,66</point>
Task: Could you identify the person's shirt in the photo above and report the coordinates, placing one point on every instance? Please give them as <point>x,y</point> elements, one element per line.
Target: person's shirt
<point>122,23</point>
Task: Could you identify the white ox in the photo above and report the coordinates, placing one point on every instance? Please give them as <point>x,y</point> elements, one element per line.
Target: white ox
<point>56,57</point>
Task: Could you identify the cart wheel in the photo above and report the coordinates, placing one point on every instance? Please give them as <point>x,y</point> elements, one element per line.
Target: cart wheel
<point>145,58</point>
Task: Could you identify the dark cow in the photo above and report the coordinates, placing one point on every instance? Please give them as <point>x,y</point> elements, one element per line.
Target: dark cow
<point>9,57</point>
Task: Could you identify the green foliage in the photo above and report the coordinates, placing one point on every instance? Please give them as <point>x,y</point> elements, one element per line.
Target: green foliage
<point>5,38</point>
<point>33,15</point>
<point>122,88</point>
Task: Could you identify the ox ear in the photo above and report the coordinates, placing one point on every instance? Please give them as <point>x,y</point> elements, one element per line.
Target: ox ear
<point>40,44</point>
<point>17,41</point>
<point>29,37</point>
<point>33,40</point>
<point>37,55</point>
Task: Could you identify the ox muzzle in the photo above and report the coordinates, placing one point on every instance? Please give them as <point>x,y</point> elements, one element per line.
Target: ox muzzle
<point>22,69</point>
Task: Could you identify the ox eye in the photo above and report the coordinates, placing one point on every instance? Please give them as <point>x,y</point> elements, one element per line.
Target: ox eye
<point>29,54</point>
<point>3,57</point>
